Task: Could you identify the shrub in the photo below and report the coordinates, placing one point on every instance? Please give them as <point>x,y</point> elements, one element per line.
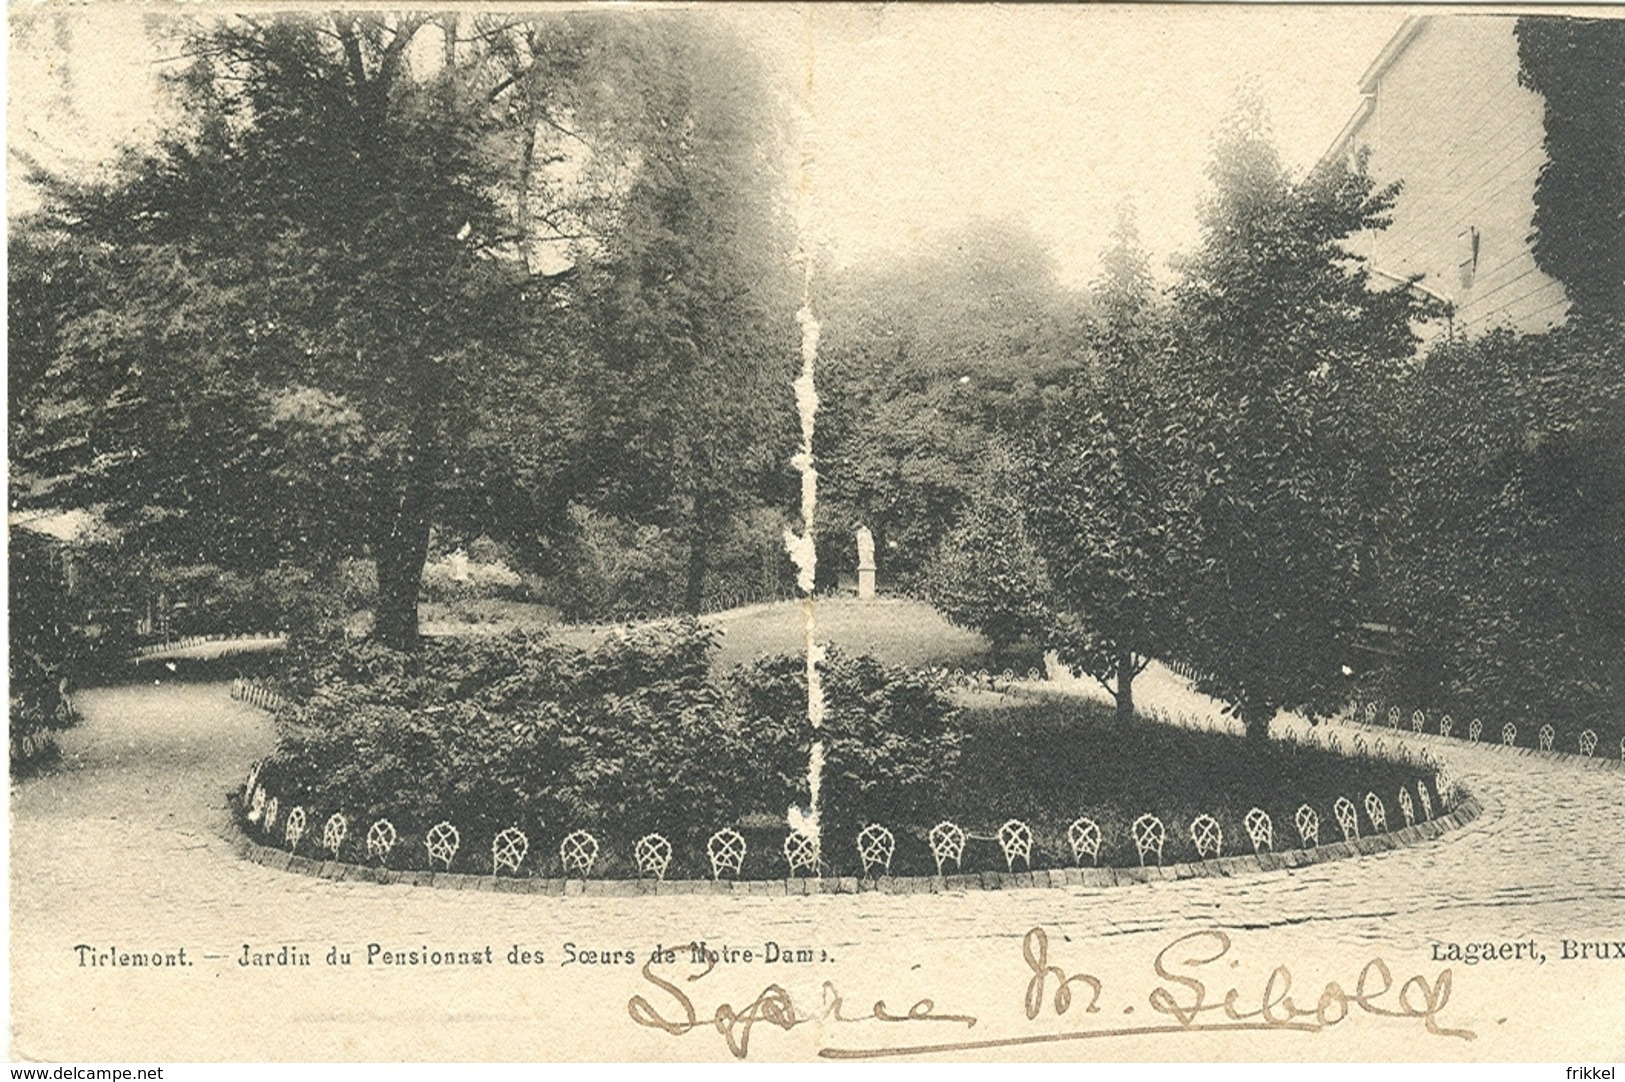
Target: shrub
<point>988,574</point>
<point>39,704</point>
<point>891,741</point>
<point>632,736</point>
<point>618,570</point>
<point>1503,574</point>
<point>492,578</point>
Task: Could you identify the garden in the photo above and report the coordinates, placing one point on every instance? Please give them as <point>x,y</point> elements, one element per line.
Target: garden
<point>636,756</point>
<point>1245,470</point>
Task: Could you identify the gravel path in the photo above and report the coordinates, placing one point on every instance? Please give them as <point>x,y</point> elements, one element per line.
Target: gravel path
<point>127,848</point>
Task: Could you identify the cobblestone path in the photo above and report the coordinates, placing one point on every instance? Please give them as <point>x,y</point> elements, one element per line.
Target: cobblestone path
<point>127,847</point>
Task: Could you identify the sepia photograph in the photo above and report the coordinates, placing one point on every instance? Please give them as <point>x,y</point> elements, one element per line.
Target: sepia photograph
<point>888,533</point>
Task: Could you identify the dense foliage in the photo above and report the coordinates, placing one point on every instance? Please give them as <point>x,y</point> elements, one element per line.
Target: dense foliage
<point>1504,574</point>
<point>384,275</point>
<point>635,735</point>
<point>1290,357</point>
<point>922,363</point>
<point>1111,479</point>
<point>988,573</point>
<point>620,568</point>
<point>1205,486</point>
<point>890,745</point>
<point>1578,68</point>
<point>44,646</point>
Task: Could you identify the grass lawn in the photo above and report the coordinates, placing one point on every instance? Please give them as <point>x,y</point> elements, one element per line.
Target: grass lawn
<point>910,634</point>
<point>897,631</point>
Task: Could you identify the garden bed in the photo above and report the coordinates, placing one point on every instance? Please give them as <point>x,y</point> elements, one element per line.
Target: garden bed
<point>1056,758</point>
<point>638,735</point>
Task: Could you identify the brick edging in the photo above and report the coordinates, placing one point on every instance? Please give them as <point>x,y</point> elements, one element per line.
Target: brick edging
<point>280,860</point>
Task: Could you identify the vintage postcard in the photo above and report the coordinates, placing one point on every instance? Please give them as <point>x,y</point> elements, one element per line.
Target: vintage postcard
<point>832,533</point>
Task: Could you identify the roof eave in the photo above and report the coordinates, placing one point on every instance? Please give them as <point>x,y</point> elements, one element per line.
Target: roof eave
<point>1346,136</point>
<point>1396,45</point>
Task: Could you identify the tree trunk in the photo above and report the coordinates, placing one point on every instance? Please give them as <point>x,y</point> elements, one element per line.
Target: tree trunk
<point>399,556</point>
<point>699,535</point>
<point>1256,722</point>
<point>1124,693</point>
<point>698,563</point>
<point>400,575</point>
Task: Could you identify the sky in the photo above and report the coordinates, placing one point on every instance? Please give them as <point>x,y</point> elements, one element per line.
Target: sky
<point>923,117</point>
<point>916,118</point>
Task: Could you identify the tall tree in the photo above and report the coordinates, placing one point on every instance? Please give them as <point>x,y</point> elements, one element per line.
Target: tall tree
<point>1082,539</point>
<point>692,287</point>
<point>294,287</point>
<point>1286,350</point>
<point>1110,490</point>
<point>388,273</point>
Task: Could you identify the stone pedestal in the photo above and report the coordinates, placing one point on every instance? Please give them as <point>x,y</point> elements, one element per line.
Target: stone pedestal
<point>866,563</point>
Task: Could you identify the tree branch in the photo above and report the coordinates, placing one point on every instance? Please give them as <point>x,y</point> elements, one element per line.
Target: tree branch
<point>345,28</point>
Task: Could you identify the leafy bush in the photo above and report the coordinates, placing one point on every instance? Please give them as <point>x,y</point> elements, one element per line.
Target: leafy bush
<point>36,693</point>
<point>1504,578</point>
<point>122,586</point>
<point>45,649</point>
<point>278,598</point>
<point>618,570</point>
<point>891,741</point>
<point>988,574</point>
<point>632,736</point>
<point>481,578</point>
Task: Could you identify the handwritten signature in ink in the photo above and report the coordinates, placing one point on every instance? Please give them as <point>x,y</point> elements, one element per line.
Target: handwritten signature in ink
<point>1181,995</point>
<point>773,1007</point>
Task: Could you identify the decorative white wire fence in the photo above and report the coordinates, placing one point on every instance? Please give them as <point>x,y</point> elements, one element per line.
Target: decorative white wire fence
<point>874,846</point>
<point>257,694</point>
<point>199,640</point>
<point>1584,743</point>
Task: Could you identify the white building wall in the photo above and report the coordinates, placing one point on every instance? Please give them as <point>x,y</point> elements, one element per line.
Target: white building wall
<point>1448,118</point>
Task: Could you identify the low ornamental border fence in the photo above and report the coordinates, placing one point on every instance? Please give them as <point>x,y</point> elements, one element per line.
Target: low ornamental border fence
<point>299,832</point>
<point>1188,671</point>
<point>726,849</point>
<point>198,640</point>
<point>257,694</point>
<point>874,845</point>
<point>1586,743</point>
